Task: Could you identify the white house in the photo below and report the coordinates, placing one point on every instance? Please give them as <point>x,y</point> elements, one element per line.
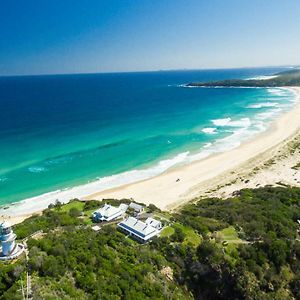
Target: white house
<point>108,212</point>
<point>142,231</point>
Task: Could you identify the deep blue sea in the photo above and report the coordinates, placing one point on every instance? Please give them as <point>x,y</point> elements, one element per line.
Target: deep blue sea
<point>66,130</point>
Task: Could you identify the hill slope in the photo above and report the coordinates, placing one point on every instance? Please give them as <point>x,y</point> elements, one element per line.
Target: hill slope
<point>244,247</point>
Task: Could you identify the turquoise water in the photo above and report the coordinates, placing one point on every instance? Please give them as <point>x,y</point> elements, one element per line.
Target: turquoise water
<point>60,131</point>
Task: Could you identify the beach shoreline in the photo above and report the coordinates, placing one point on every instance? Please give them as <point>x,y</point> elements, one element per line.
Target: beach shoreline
<point>183,183</point>
<point>166,192</point>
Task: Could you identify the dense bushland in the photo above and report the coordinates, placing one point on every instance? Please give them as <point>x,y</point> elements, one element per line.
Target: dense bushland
<point>259,261</point>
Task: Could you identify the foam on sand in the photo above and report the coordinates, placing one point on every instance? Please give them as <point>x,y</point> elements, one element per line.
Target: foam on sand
<point>240,131</point>
<point>207,145</point>
<point>269,114</point>
<point>279,91</point>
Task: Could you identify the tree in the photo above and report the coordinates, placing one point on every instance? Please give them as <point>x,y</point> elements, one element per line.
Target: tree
<point>153,208</point>
<point>278,252</point>
<point>58,204</point>
<point>178,235</point>
<point>74,212</point>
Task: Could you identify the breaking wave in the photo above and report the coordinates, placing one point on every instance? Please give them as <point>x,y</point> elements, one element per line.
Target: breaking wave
<point>209,130</point>
<point>263,105</point>
<point>230,123</point>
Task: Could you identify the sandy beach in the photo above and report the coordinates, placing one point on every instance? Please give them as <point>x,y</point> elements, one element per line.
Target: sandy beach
<point>219,175</point>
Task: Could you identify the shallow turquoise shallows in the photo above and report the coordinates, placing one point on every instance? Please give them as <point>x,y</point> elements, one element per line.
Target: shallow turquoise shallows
<point>65,130</point>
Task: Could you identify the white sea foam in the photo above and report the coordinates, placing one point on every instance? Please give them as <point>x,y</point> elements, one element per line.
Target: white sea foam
<point>244,122</point>
<point>221,145</point>
<point>207,145</point>
<point>278,91</point>
<point>37,169</point>
<point>209,130</point>
<point>260,126</point>
<point>221,122</point>
<point>268,114</point>
<point>264,104</point>
<point>188,86</point>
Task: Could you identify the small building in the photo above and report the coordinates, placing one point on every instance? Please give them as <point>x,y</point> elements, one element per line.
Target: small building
<point>138,209</point>
<point>154,223</point>
<point>108,212</point>
<point>96,228</point>
<point>141,231</point>
<point>9,248</point>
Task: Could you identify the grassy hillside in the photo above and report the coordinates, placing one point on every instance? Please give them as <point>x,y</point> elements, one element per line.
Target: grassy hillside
<point>245,247</point>
<point>287,78</point>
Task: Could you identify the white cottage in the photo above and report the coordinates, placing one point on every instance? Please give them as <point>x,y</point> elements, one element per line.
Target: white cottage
<point>142,231</point>
<point>108,212</point>
<point>138,209</point>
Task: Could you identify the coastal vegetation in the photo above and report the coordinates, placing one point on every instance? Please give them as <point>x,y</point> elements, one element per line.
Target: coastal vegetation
<point>286,78</point>
<point>244,247</point>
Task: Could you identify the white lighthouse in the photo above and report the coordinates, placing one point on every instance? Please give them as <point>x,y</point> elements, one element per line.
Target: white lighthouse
<point>9,248</point>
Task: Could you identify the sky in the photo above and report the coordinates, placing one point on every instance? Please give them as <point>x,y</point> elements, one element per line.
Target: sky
<point>76,36</point>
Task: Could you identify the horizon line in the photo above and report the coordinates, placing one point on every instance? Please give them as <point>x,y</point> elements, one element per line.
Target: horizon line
<point>152,71</point>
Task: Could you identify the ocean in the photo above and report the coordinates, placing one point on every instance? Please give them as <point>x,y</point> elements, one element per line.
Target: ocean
<point>61,131</point>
